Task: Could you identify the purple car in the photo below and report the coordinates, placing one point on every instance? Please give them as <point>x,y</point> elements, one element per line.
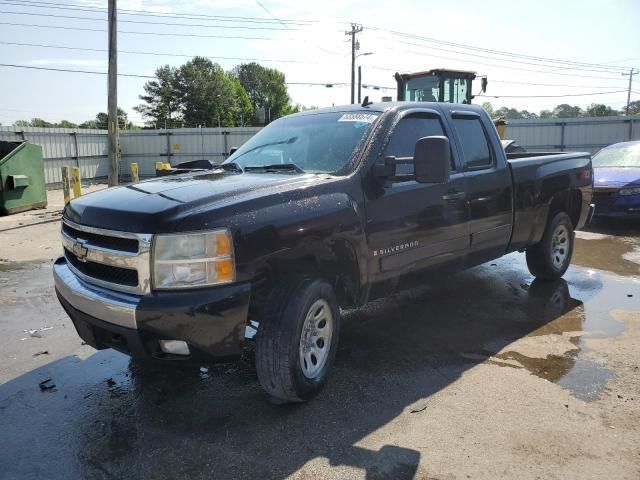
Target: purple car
<point>616,171</point>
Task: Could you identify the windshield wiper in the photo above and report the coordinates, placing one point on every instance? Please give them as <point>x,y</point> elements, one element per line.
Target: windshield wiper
<point>275,167</point>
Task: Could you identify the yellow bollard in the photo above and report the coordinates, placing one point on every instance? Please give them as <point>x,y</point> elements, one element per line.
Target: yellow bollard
<point>75,181</point>
<point>65,185</point>
<point>135,177</point>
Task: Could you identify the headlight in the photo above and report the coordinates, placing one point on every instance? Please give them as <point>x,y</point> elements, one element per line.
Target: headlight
<point>188,260</point>
<point>630,191</point>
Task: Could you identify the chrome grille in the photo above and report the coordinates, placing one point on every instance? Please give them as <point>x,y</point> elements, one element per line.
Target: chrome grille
<point>108,258</point>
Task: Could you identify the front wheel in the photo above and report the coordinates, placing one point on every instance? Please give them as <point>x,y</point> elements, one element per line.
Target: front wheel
<point>550,258</point>
<point>297,339</point>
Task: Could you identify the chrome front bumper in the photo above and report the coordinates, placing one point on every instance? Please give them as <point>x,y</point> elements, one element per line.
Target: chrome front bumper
<point>212,321</point>
<point>106,305</point>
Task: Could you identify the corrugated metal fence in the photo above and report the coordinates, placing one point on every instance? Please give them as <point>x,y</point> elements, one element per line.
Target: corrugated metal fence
<point>573,134</point>
<point>87,149</point>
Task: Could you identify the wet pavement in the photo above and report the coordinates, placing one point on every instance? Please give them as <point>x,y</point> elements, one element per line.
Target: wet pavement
<point>489,374</point>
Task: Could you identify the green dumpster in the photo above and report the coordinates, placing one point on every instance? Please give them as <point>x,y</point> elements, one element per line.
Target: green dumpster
<point>22,184</point>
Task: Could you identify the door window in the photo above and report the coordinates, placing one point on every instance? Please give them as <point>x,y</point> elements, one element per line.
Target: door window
<point>476,151</point>
<point>404,137</point>
<point>455,90</point>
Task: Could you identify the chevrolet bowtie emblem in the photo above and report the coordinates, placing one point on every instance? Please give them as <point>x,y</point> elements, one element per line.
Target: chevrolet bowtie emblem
<point>79,250</point>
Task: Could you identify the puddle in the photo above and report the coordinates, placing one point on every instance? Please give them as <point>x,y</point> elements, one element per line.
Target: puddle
<point>609,246</point>
<point>558,350</point>
<point>618,255</point>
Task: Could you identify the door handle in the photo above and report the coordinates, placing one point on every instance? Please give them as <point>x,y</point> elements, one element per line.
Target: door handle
<point>453,196</point>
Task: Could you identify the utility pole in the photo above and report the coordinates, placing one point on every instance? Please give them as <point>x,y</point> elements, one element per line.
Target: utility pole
<point>355,28</point>
<point>114,151</point>
<point>359,84</point>
<point>631,73</point>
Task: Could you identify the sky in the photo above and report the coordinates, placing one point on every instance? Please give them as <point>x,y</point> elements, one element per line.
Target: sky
<point>536,54</point>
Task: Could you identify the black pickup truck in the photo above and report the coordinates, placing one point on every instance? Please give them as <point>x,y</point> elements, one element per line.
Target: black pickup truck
<point>319,211</point>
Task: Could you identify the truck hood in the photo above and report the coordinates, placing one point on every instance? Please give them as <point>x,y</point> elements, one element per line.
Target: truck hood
<point>157,205</point>
<point>613,177</point>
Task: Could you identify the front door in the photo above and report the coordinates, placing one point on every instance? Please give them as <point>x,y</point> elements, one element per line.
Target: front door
<point>411,226</point>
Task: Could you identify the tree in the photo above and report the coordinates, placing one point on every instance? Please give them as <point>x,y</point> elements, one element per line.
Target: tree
<point>209,96</point>
<point>162,99</point>
<point>600,110</point>
<point>66,124</point>
<point>266,88</point>
<point>634,108</point>
<point>565,110</point>
<point>489,109</point>
<point>546,114</point>
<point>102,121</point>
<point>38,122</point>
<point>242,109</point>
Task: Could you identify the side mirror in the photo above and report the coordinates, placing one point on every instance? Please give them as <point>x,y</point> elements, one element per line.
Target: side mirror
<point>233,150</point>
<point>432,160</point>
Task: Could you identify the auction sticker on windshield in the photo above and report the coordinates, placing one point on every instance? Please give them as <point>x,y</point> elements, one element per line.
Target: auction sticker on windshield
<point>358,117</point>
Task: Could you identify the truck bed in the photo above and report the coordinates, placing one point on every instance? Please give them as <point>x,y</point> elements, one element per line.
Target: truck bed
<point>537,176</point>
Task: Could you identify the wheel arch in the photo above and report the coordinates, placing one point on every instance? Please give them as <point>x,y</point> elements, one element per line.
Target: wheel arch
<point>336,261</point>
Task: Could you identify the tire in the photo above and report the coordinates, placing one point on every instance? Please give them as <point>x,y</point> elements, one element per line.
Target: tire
<point>300,326</point>
<point>550,258</point>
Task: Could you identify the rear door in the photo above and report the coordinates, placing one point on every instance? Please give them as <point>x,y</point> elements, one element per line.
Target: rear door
<point>489,186</point>
<point>411,225</point>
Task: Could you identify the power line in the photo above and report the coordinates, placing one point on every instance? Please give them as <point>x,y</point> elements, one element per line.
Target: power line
<point>548,84</point>
<point>93,72</point>
<point>287,27</point>
<point>405,35</point>
<point>506,67</point>
<point>87,8</point>
<point>164,34</point>
<point>324,84</point>
<point>73,17</point>
<point>250,59</point>
<point>39,4</point>
<point>271,14</point>
<point>473,55</point>
<point>499,52</point>
<point>551,96</point>
<point>158,54</point>
<point>32,67</point>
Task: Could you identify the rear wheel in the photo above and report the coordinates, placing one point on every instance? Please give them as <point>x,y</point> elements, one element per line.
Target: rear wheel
<point>297,339</point>
<point>550,258</point>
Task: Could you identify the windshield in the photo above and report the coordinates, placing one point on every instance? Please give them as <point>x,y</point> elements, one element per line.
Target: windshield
<point>422,89</point>
<point>623,156</point>
<point>316,143</point>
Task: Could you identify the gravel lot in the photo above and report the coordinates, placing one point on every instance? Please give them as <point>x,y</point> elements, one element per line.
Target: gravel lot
<point>487,375</point>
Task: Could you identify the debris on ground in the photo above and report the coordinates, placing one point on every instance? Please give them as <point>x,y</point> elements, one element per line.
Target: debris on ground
<point>43,352</point>
<point>47,385</point>
<point>36,333</point>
